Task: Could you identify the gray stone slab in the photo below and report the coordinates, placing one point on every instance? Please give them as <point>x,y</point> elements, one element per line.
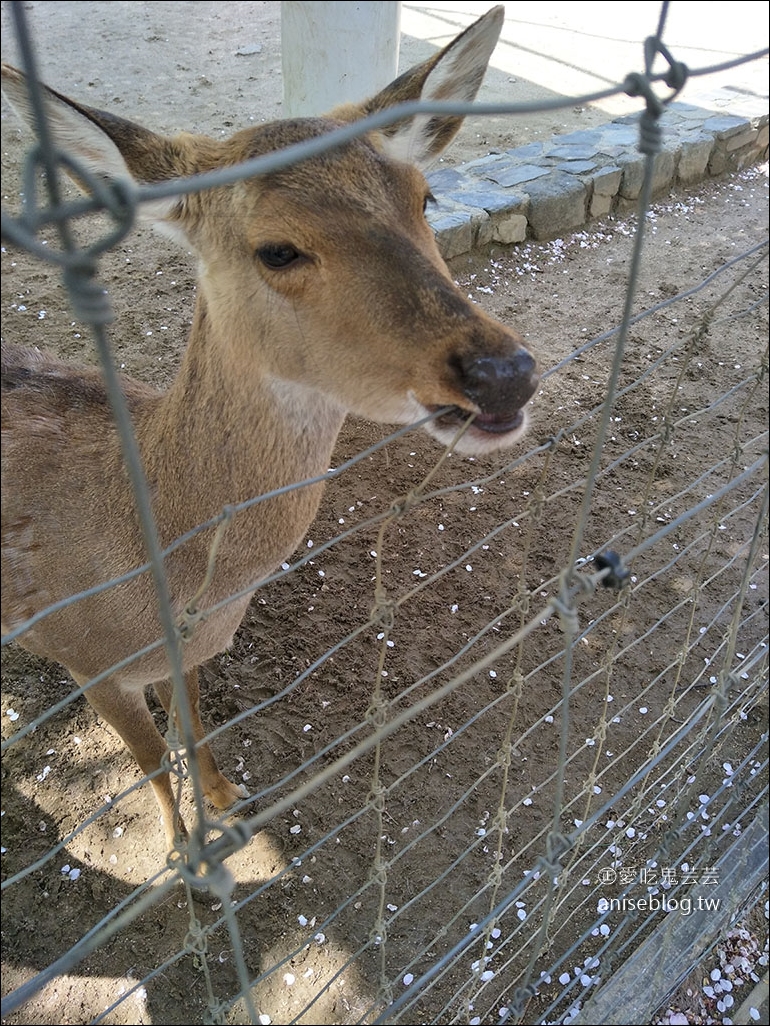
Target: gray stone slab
<point>516,174</point>
<point>580,151</point>
<point>474,168</point>
<point>607,180</point>
<point>557,204</point>
<point>486,199</point>
<point>454,232</point>
<point>694,158</point>
<point>446,178</point>
<point>725,125</point>
<point>529,152</point>
<point>619,134</point>
<point>577,167</point>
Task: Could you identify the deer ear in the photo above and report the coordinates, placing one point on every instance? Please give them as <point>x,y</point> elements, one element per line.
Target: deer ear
<point>455,73</point>
<point>108,146</point>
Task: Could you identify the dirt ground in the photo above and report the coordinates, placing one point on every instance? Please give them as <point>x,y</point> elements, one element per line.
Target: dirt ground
<point>558,295</point>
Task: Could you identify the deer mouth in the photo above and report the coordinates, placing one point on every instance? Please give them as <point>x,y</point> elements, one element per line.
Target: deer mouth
<point>454,417</point>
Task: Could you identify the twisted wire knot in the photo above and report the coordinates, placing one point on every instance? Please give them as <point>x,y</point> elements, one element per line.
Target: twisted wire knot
<point>640,84</point>
<point>115,197</point>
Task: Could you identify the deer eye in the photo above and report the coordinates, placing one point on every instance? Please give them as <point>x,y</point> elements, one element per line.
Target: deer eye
<point>277,256</point>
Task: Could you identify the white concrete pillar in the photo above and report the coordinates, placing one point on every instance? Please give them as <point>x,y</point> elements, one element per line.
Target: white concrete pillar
<point>336,53</point>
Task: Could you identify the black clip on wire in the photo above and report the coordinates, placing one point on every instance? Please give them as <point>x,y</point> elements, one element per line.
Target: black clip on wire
<point>618,572</point>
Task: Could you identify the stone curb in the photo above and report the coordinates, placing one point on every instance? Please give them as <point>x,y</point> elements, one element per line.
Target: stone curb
<point>544,189</point>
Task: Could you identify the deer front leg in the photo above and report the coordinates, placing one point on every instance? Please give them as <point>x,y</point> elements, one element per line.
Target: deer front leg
<point>220,791</point>
<point>127,712</point>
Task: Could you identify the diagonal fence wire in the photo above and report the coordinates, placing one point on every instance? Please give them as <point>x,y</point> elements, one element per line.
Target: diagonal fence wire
<point>704,729</point>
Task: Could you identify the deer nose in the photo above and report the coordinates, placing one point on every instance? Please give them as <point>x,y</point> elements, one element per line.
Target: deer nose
<point>499,385</point>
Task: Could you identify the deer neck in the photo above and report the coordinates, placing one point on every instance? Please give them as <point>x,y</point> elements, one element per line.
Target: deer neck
<point>227,431</point>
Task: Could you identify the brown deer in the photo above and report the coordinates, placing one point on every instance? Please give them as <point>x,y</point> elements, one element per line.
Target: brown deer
<point>321,291</point>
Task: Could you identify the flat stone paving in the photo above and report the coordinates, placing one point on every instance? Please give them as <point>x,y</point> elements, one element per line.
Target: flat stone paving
<point>544,189</point>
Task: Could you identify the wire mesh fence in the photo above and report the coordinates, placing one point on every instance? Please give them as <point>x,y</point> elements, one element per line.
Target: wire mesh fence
<point>516,770</point>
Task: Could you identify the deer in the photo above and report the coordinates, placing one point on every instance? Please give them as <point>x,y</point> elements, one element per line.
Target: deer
<point>321,292</point>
